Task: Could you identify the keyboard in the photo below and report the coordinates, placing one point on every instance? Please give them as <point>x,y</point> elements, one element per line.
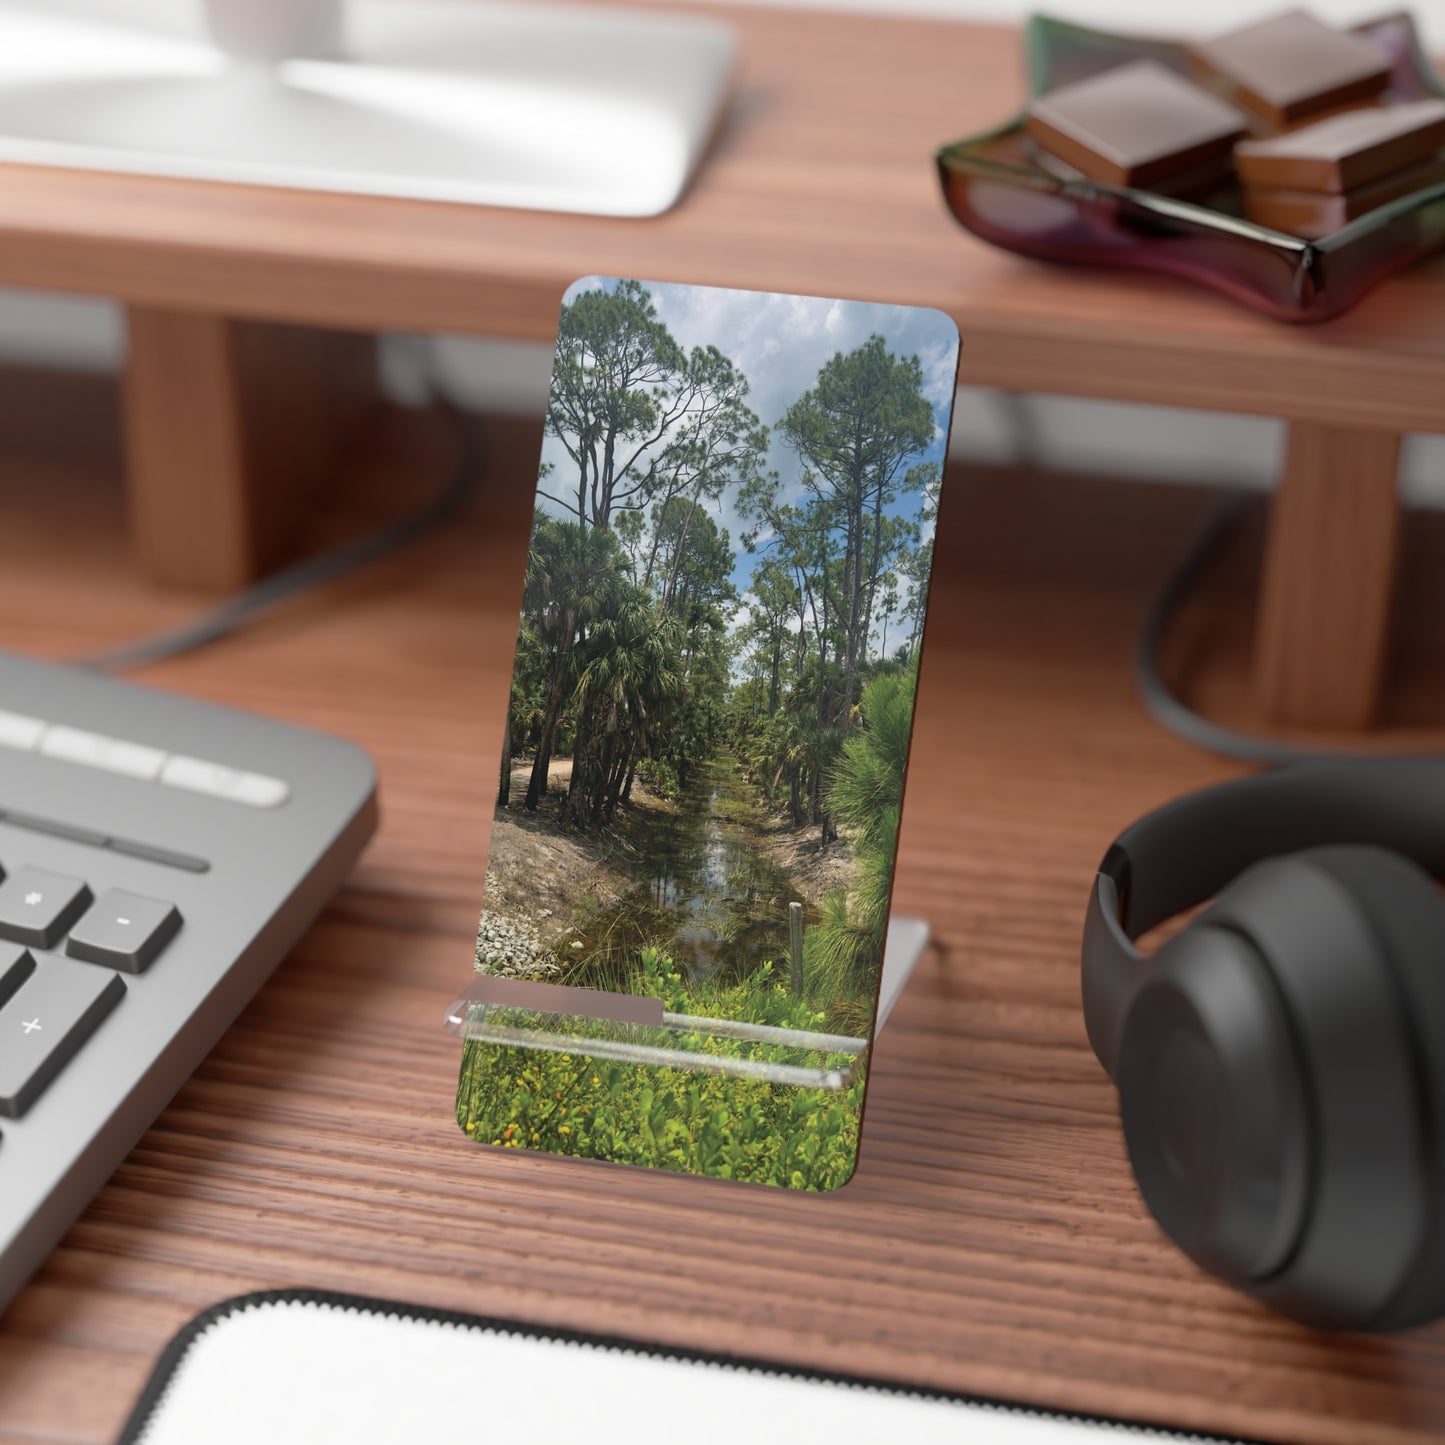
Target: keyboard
<point>158,858</point>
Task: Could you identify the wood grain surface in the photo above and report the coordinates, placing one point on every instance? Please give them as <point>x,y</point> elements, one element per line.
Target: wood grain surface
<point>991,1241</point>
<point>821,181</point>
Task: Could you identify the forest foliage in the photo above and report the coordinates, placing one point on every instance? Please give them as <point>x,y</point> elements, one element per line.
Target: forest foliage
<point>637,657</point>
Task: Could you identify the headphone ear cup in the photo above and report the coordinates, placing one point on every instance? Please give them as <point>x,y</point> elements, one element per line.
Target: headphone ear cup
<point>1311,918</point>
<point>1403,905</point>
<point>1214,1108</point>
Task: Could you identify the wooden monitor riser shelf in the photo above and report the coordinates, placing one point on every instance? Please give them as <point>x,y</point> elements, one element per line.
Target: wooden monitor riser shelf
<point>992,1240</point>
<point>822,182</point>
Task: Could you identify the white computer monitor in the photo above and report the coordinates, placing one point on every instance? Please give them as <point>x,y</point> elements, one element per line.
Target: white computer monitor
<point>495,102</point>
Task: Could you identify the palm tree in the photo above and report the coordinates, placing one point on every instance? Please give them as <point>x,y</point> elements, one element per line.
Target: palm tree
<point>629,678</point>
<point>806,750</point>
<point>526,705</point>
<point>569,572</point>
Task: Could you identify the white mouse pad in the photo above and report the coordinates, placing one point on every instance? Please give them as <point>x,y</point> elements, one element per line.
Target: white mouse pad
<point>305,1369</point>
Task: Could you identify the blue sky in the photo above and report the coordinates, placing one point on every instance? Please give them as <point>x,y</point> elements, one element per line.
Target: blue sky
<point>780,343</point>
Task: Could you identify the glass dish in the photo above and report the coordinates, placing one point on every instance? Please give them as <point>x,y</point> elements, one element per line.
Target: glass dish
<point>998,189</point>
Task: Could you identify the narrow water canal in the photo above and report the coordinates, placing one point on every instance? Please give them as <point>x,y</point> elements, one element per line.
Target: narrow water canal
<point>706,894</point>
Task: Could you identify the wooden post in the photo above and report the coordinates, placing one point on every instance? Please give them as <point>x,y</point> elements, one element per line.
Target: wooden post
<point>1324,622</point>
<point>795,945</point>
<point>231,428</point>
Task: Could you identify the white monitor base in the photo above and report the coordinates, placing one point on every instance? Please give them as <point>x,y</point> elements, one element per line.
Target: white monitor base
<point>531,105</point>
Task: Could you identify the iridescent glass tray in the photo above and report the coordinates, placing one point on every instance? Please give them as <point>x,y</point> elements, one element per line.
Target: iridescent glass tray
<point>997,187</point>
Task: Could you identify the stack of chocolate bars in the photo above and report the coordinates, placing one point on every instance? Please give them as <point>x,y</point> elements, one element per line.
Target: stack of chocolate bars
<point>1298,113</point>
<point>1312,181</point>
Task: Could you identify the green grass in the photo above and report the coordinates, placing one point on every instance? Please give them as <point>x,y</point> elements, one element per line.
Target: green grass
<point>683,1120</point>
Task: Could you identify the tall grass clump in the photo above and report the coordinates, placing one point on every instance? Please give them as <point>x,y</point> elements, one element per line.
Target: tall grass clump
<point>865,794</point>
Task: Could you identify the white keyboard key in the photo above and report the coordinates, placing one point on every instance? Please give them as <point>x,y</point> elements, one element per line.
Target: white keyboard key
<point>94,750</point>
<point>20,732</point>
<point>218,781</point>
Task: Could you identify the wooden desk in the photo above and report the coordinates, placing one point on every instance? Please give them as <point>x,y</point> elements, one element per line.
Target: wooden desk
<point>992,1240</point>
<point>821,182</point>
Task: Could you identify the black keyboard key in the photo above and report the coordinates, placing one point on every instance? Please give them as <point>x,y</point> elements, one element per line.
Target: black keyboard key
<point>124,930</point>
<point>51,1015</point>
<point>16,965</point>
<point>37,907</point>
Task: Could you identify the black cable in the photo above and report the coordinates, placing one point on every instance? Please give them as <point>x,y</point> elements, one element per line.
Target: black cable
<point>1160,700</point>
<point>274,591</point>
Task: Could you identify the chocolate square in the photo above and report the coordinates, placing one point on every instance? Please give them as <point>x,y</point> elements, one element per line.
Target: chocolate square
<point>1312,215</point>
<point>1137,125</point>
<point>1291,66</point>
<point>1345,151</point>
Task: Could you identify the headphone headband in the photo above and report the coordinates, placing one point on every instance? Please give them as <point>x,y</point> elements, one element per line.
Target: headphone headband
<point>1182,854</point>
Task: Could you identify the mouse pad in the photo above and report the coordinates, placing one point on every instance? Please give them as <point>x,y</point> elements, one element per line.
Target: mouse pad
<point>308,1368</point>
<point>692,856</point>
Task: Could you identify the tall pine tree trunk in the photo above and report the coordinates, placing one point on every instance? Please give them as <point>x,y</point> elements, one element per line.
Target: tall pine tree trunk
<point>621,773</point>
<point>537,779</point>
<point>584,763</point>
<point>537,782</point>
<point>551,722</point>
<point>504,782</point>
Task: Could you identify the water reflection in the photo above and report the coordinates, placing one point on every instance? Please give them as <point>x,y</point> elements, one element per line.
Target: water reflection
<point>706,894</point>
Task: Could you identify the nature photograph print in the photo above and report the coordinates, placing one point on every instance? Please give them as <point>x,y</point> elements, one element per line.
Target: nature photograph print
<point>703,767</point>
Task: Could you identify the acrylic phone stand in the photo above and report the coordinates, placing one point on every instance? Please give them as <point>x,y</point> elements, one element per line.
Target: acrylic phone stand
<point>686,949</point>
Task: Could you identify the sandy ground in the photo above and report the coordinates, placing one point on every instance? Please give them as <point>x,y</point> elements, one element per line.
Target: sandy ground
<point>535,873</point>
<point>816,870</point>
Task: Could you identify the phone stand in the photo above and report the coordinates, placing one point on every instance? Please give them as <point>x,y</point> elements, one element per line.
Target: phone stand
<point>691,978</point>
<point>503,104</point>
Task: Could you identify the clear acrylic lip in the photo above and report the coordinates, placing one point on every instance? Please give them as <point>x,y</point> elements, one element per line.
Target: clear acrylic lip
<point>623,1028</point>
<point>681,1041</point>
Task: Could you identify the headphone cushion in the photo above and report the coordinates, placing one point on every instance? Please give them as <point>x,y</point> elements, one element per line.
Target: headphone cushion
<point>1403,906</point>
<point>1369,1193</point>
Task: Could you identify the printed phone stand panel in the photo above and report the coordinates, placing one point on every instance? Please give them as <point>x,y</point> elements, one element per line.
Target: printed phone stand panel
<point>680,952</point>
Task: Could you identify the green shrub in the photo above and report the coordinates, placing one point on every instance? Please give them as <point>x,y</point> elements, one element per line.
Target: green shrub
<point>659,777</point>
<point>685,1120</point>
<point>865,792</point>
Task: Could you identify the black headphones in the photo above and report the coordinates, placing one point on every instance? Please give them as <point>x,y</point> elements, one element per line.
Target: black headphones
<point>1281,1061</point>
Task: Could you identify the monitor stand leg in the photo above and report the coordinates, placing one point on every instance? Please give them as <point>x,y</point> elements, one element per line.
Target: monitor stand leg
<point>230,427</point>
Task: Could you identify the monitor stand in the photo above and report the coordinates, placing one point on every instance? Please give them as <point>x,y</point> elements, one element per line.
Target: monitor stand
<point>541,106</point>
